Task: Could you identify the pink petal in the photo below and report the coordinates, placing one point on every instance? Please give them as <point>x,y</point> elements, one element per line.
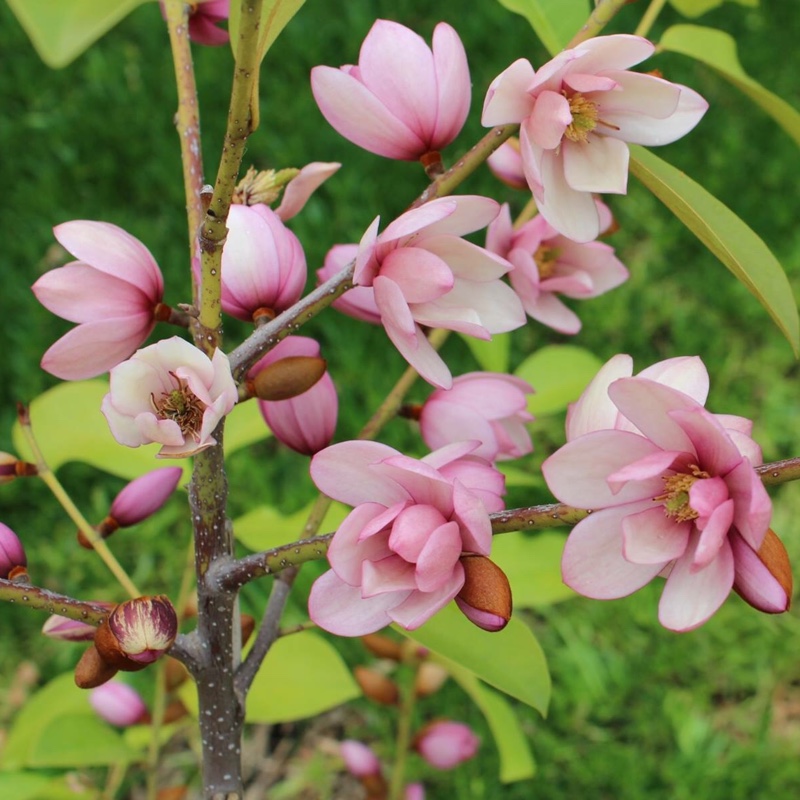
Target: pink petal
<point>507,99</point>
<point>549,120</point>
<point>651,537</point>
<point>412,529</point>
<point>551,311</point>
<point>421,275</point>
<point>425,484</point>
<point>420,219</point>
<point>594,410</point>
<point>618,51</point>
<point>453,86</point>
<point>649,468</point>
<point>476,527</point>
<point>713,534</point>
<point>717,454</point>
<point>598,165</point>
<point>500,233</point>
<point>692,595</point>
<point>467,260</point>
<point>754,581</point>
<point>687,374</point>
<point>390,574</point>
<point>419,607</point>
<point>752,503</point>
<point>439,557</point>
<point>302,186</point>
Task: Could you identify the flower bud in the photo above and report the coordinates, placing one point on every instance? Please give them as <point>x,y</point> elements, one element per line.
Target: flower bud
<point>376,687</point>
<point>763,577</point>
<point>415,791</point>
<point>118,704</point>
<point>506,164</point>
<point>70,630</point>
<point>430,678</point>
<point>287,378</point>
<point>12,554</point>
<point>92,669</point>
<point>382,646</point>
<point>11,467</point>
<point>359,760</point>
<point>137,632</point>
<point>485,599</point>
<point>444,744</point>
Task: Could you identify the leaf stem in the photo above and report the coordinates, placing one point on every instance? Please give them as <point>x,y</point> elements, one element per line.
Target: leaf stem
<point>649,17</point>
<point>601,15</point>
<point>403,739</point>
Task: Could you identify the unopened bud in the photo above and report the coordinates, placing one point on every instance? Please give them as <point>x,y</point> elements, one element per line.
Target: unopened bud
<point>12,554</point>
<point>70,630</point>
<point>763,577</point>
<point>359,759</point>
<point>145,495</point>
<point>137,632</point>
<point>429,679</point>
<point>376,686</point>
<point>485,598</point>
<point>287,378</point>
<point>445,744</point>
<point>11,467</point>
<point>118,704</point>
<point>93,670</point>
<point>382,646</point>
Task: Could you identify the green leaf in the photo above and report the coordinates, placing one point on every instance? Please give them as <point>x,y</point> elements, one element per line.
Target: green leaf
<point>61,30</point>
<point>725,235</point>
<point>516,759</point>
<point>510,660</point>
<point>264,527</point>
<point>494,355</point>
<point>58,728</point>
<point>302,676</point>
<point>696,8</point>
<point>244,426</point>
<point>717,49</point>
<point>275,16</point>
<point>532,564</point>
<point>554,21</point>
<point>42,786</point>
<point>558,373</point>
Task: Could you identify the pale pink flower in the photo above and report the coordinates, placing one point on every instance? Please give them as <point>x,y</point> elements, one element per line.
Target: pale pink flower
<point>547,264</point>
<point>145,495</point>
<point>486,406</point>
<point>424,273</point>
<point>111,291</point>
<point>303,185</point>
<point>506,164</point>
<point>12,553</point>
<point>358,302</point>
<point>307,422</point>
<point>118,704</point>
<point>403,100</point>
<point>263,264</point>
<point>577,115</point>
<point>672,491</point>
<point>204,19</point>
<point>396,557</point>
<point>445,744</point>
<point>359,759</point>
<point>171,393</point>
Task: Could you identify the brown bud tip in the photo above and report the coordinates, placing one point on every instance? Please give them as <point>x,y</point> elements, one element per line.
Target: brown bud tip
<point>288,377</point>
<point>776,559</point>
<point>92,670</point>
<point>485,598</point>
<point>248,625</point>
<point>382,646</point>
<point>19,574</point>
<point>376,687</point>
<point>430,678</point>
<point>23,414</point>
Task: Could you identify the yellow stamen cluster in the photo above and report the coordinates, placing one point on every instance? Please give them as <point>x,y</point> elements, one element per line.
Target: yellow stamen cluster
<point>584,118</point>
<point>675,498</point>
<point>546,258</point>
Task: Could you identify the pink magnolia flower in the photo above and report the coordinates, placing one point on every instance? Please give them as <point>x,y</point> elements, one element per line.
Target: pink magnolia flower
<point>403,100</point>
<point>358,302</point>
<point>396,557</point>
<point>359,759</point>
<point>307,422</point>
<point>111,291</point>
<point>118,704</point>
<point>171,393</point>
<point>547,264</point>
<point>445,744</point>
<point>673,492</point>
<point>577,115</point>
<point>204,19</point>
<point>263,264</point>
<point>506,164</point>
<point>423,273</point>
<point>486,406</point>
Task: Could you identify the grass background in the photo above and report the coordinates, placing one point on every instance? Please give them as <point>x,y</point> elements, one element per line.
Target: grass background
<point>637,711</point>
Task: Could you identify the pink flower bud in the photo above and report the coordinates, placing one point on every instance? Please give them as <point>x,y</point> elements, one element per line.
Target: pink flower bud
<point>263,264</point>
<point>143,496</point>
<point>137,632</point>
<point>12,553</point>
<point>111,291</point>
<point>485,598</point>
<point>204,19</point>
<point>506,164</point>
<point>305,423</point>
<point>359,759</point>
<point>70,630</point>
<point>118,704</point>
<point>489,407</point>
<point>446,744</point>
<point>415,791</point>
<point>404,99</point>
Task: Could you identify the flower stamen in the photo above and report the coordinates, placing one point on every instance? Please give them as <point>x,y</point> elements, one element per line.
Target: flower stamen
<point>182,406</point>
<point>546,258</point>
<point>584,118</point>
<point>675,498</point>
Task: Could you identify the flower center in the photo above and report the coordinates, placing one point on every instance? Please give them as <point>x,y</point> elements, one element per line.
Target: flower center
<point>546,258</point>
<point>584,118</point>
<point>181,405</point>
<point>675,497</point>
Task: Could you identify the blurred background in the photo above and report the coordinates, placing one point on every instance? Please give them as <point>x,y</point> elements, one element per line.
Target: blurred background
<point>637,710</point>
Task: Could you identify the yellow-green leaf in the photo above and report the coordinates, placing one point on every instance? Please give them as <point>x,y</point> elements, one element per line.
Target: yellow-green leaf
<point>61,30</point>
<point>264,527</point>
<point>717,49</point>
<point>738,247</point>
<point>555,22</point>
<point>696,8</point>
<point>275,16</point>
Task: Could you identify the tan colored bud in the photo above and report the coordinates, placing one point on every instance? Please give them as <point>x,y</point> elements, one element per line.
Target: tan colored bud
<point>430,678</point>
<point>775,558</point>
<point>287,378</point>
<point>93,670</point>
<point>485,598</point>
<point>382,646</point>
<point>376,687</point>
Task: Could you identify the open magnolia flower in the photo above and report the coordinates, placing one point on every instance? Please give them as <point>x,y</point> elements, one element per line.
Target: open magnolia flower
<point>171,393</point>
<point>397,555</point>
<point>577,115</point>
<point>673,492</point>
<point>424,273</point>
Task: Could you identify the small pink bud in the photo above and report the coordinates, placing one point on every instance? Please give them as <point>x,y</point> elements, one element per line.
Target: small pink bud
<point>444,744</point>
<point>137,632</point>
<point>485,598</point>
<point>415,791</point>
<point>506,164</point>
<point>143,496</point>
<point>359,759</point>
<point>118,704</point>
<point>70,630</point>
<point>12,553</point>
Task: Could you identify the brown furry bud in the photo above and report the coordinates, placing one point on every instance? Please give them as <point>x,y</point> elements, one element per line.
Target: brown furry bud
<point>287,377</point>
<point>485,598</point>
<point>93,670</point>
<point>376,687</point>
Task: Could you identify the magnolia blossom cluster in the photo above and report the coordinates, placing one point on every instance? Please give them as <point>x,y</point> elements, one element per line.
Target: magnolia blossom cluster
<point>673,492</point>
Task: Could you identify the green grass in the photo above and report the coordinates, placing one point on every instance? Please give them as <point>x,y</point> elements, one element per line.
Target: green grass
<point>637,711</point>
